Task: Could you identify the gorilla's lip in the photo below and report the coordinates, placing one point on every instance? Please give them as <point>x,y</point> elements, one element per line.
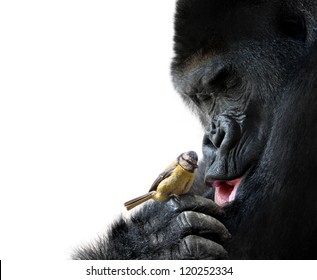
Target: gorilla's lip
<point>225,191</point>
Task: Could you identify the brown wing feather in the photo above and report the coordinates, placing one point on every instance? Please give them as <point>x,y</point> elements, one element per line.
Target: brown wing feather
<point>138,200</point>
<point>165,174</point>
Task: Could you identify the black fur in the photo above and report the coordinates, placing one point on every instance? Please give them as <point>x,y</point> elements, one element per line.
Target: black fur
<point>249,71</point>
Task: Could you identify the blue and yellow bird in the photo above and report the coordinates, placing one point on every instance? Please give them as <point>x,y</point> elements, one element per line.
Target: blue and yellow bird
<point>175,180</point>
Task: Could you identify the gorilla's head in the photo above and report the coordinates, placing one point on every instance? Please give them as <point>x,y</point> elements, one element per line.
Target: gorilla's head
<point>247,68</point>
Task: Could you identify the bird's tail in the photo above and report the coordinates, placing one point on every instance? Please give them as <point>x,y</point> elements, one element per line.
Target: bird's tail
<point>138,200</point>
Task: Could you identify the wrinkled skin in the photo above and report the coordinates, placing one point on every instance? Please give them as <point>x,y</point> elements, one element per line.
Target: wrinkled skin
<point>249,71</point>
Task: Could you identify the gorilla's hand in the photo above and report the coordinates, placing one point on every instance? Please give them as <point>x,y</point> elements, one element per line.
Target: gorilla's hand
<point>191,232</point>
<point>185,228</point>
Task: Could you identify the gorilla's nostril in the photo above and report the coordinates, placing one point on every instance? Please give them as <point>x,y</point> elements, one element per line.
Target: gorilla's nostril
<point>217,138</point>
<point>222,134</point>
<point>216,135</point>
<point>213,129</point>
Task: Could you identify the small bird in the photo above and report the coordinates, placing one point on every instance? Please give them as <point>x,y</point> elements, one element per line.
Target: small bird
<point>175,180</point>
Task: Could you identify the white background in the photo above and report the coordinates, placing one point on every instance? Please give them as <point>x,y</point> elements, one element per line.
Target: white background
<point>88,118</point>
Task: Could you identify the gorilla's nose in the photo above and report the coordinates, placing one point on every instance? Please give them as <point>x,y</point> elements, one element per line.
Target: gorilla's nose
<point>222,134</point>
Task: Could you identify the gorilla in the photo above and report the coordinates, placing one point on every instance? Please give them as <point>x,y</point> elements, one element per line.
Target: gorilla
<point>248,69</point>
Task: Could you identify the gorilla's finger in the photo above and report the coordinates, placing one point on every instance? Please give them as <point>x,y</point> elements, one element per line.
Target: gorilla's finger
<point>195,247</point>
<point>200,224</point>
<point>198,204</point>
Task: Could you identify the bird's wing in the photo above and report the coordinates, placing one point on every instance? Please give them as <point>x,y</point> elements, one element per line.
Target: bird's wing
<point>166,173</point>
<point>138,200</point>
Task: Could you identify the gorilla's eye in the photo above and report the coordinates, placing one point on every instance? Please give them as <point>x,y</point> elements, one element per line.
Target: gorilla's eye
<point>203,97</point>
<point>293,26</point>
<point>225,81</point>
<point>200,98</point>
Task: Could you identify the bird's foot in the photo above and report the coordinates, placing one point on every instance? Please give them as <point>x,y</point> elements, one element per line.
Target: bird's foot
<point>175,197</point>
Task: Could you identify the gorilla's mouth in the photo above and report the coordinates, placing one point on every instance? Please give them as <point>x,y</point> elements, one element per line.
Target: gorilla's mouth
<point>225,191</point>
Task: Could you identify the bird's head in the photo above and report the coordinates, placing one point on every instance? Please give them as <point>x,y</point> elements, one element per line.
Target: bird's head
<point>188,161</point>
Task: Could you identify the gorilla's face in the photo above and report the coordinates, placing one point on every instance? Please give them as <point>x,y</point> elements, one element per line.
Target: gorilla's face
<point>232,62</point>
